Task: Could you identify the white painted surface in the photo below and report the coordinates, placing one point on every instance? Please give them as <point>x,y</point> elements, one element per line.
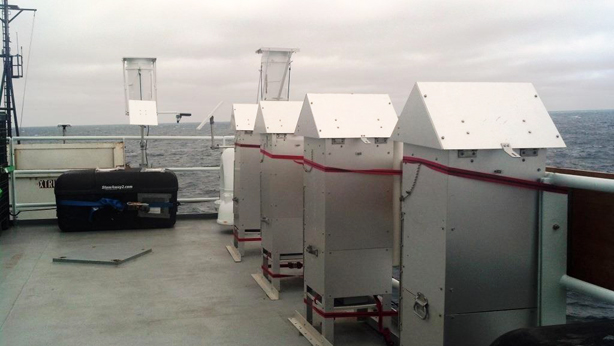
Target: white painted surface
<point>225,214</point>
<point>243,117</point>
<point>346,116</point>
<point>277,117</point>
<point>39,187</point>
<point>143,112</point>
<point>476,116</point>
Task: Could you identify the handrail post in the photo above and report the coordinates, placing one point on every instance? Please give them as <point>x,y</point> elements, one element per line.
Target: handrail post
<point>12,196</point>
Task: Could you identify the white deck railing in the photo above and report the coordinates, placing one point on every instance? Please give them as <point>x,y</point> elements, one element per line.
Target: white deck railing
<point>13,195</point>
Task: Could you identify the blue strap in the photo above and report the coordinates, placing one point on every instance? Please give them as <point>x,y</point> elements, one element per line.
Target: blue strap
<point>114,203</point>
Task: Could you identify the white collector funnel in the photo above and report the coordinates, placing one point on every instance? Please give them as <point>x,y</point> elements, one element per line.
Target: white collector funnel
<point>275,73</point>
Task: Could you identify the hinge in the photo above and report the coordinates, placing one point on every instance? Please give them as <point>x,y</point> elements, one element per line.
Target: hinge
<point>364,139</point>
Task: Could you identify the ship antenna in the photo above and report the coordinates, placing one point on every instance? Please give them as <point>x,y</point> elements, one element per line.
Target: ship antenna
<point>13,67</point>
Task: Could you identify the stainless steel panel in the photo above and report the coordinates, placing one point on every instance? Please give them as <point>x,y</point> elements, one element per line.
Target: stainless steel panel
<point>247,182</point>
<point>481,329</point>
<point>424,247</point>
<point>348,219</point>
<point>354,273</point>
<point>358,211</point>
<point>282,195</point>
<point>491,240</point>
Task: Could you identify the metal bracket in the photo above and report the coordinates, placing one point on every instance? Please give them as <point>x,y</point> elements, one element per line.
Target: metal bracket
<point>466,154</point>
<point>508,150</point>
<point>338,141</point>
<point>529,152</point>
<point>312,250</point>
<point>265,220</point>
<point>381,140</point>
<point>421,306</point>
<point>364,139</point>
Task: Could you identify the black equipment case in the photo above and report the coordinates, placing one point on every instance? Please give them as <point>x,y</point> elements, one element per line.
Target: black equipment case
<point>116,199</point>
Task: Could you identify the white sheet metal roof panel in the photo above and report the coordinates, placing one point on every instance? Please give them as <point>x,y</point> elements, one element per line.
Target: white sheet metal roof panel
<point>277,116</point>
<point>243,117</point>
<point>346,116</point>
<point>455,116</point>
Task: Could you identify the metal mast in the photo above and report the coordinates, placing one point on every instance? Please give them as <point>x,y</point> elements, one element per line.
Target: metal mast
<point>12,67</point>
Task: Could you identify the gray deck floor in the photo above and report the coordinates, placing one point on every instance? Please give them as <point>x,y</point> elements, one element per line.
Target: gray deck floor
<point>188,291</point>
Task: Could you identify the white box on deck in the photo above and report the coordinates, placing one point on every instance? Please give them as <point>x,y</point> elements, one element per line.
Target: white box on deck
<point>246,167</point>
<point>470,245</point>
<point>348,215</point>
<point>281,177</point>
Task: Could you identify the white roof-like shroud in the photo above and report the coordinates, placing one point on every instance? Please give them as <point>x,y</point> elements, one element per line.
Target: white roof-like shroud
<point>243,117</point>
<point>457,116</point>
<point>277,116</point>
<point>346,116</point>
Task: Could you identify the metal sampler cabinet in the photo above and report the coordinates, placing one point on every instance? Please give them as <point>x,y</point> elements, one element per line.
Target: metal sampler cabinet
<point>473,157</point>
<point>348,178</point>
<point>281,194</point>
<point>246,195</point>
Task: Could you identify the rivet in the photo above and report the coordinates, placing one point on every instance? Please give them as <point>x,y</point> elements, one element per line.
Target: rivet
<point>556,227</point>
<point>529,132</point>
<point>535,96</point>
<point>557,136</point>
<point>467,132</point>
<point>442,137</point>
<point>462,121</point>
<point>424,95</point>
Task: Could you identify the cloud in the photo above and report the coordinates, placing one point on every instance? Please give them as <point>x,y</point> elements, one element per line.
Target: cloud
<point>205,50</point>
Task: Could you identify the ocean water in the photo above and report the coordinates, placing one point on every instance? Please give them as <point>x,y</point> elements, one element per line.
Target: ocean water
<point>589,136</point>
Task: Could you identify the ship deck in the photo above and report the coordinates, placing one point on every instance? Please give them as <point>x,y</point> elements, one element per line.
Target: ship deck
<point>187,291</point>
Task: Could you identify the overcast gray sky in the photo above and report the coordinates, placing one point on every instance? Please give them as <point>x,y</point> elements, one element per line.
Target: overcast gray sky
<point>205,51</point>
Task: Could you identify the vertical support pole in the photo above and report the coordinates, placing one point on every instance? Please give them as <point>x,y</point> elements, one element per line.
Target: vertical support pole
<point>143,148</point>
<point>552,297</point>
<point>12,163</point>
<point>275,269</point>
<point>328,324</point>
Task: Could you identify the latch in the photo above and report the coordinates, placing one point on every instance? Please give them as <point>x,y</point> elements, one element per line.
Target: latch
<point>338,141</point>
<point>312,250</point>
<point>144,207</point>
<point>381,140</point>
<point>508,150</point>
<point>364,139</point>
<point>421,306</point>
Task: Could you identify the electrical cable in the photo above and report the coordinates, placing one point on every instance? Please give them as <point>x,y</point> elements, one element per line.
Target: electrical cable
<point>25,83</point>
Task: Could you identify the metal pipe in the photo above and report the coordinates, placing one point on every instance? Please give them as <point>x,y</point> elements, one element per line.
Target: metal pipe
<point>588,289</point>
<point>143,144</point>
<point>55,171</point>
<point>131,138</point>
<point>193,169</point>
<point>197,199</point>
<point>180,200</point>
<point>579,182</point>
<point>396,284</point>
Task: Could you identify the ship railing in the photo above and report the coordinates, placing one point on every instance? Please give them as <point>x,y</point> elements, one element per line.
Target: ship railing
<point>226,142</point>
<point>576,235</point>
